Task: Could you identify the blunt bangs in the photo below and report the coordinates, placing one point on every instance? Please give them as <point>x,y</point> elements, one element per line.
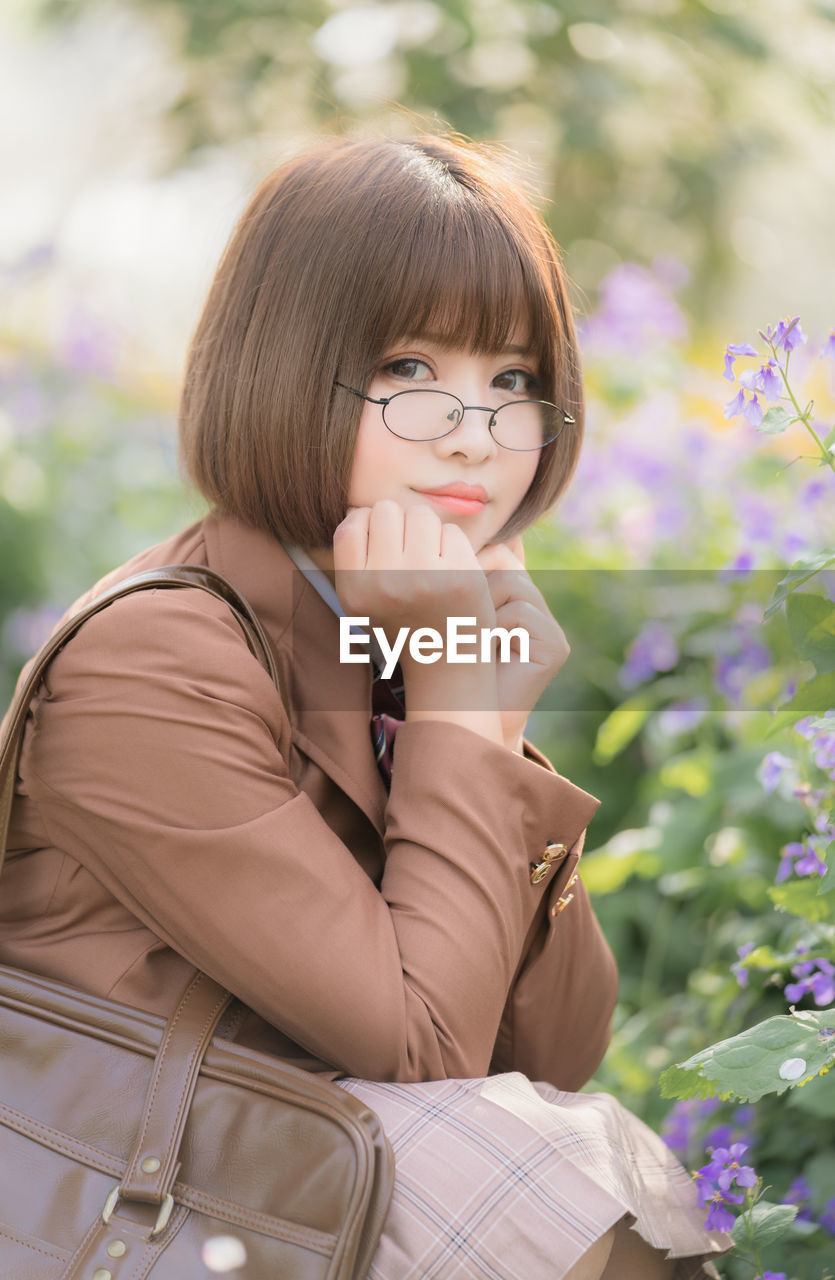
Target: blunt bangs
<point>343,252</point>
<point>462,279</point>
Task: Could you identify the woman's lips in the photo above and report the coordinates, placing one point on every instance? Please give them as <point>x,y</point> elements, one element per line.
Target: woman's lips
<point>461,506</point>
<point>462,498</point>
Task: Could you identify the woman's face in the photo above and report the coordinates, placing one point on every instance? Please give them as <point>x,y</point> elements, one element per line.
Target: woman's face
<point>386,466</point>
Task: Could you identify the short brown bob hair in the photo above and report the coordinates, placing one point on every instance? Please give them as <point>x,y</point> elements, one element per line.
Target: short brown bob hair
<point>342,252</point>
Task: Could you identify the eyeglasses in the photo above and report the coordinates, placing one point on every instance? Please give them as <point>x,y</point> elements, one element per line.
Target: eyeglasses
<point>520,425</point>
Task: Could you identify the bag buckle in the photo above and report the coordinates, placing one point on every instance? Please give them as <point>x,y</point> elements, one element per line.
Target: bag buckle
<point>165,1210</point>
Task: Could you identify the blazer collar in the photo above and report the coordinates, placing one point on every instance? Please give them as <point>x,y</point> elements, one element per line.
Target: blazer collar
<point>328,702</point>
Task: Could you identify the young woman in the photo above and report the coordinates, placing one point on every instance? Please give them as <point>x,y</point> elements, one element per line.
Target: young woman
<point>382,393</point>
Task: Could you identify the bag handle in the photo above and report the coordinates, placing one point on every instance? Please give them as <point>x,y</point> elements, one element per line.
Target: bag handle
<point>152,1166</point>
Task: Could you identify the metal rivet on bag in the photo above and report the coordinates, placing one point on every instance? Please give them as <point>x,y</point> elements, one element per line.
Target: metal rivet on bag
<point>102,1273</point>
<point>117,1248</point>
<point>150,1164</point>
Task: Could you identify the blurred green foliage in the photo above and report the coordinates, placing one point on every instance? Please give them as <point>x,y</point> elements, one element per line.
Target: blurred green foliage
<point>641,119</point>
<point>87,478</point>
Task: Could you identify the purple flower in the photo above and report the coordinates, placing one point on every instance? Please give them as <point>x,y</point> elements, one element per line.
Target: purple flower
<point>828,348</point>
<point>637,312</point>
<point>721,1136</point>
<point>714,1181</point>
<point>816,978</point>
<point>811,864</point>
<point>683,1120</point>
<point>763,379</point>
<point>800,1193</point>
<point>677,1129</point>
<point>745,659</point>
<point>739,968</point>
<point>786,867</point>
<point>791,545</point>
<point>772,768</point>
<point>732,1170</point>
<point>735,406</point>
<point>815,490</point>
<point>753,411</point>
<point>654,649</point>
<point>680,717</point>
<point>771,1275</point>
<point>732,350</point>
<point>824,751</point>
<point>827,1218</point>
<point>788,334</point>
<point>718,1217</point>
<point>808,863</point>
<point>768,381</point>
<point>823,985</point>
<point>742,563</point>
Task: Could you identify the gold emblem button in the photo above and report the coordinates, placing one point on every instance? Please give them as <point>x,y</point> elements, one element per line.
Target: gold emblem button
<point>553,853</point>
<point>562,903</point>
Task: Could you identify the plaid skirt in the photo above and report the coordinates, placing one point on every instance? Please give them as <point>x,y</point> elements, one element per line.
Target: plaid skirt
<point>499,1179</point>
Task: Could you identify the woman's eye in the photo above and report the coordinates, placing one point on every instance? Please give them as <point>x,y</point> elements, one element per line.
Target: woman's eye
<point>518,381</point>
<point>408,367</point>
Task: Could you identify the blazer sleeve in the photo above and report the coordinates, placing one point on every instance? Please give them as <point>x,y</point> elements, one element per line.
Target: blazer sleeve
<point>153,759</point>
<point>557,1022</point>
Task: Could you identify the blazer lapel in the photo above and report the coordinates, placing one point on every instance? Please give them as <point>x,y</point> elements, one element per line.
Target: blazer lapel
<point>328,702</point>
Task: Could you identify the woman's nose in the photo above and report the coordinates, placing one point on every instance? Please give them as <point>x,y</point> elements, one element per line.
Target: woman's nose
<point>471,436</point>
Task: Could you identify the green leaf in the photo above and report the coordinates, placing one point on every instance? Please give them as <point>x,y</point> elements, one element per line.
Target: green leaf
<point>748,1065</point>
<point>817,1098</point>
<point>811,622</point>
<point>826,882</point>
<point>619,728</point>
<point>767,1223</point>
<point>803,898</point>
<point>815,695</point>
<point>629,852</point>
<point>775,421</point>
<point>692,771</point>
<point>676,1082</point>
<point>801,571</point>
<point>765,958</point>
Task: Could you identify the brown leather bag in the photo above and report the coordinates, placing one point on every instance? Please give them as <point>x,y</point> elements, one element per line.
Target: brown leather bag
<point>127,1142</point>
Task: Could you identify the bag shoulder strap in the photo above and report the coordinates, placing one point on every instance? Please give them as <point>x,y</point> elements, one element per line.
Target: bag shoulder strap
<point>152,1165</point>
<point>175,575</point>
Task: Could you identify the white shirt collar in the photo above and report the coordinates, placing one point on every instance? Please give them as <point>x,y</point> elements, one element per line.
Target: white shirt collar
<point>321,583</point>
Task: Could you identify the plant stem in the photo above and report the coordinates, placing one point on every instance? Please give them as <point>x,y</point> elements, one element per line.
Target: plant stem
<point>825,454</point>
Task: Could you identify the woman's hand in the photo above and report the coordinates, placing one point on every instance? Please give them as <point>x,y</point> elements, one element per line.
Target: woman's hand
<point>416,571</point>
<point>518,603</point>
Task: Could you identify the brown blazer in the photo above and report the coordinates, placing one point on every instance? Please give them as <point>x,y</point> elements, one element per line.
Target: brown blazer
<point>174,810</point>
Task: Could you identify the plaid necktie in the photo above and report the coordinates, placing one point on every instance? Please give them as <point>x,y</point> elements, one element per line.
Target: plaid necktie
<point>388,705</point>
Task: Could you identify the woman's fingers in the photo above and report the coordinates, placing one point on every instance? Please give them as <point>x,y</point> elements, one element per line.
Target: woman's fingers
<point>350,540</point>
<point>501,555</point>
<point>387,539</point>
